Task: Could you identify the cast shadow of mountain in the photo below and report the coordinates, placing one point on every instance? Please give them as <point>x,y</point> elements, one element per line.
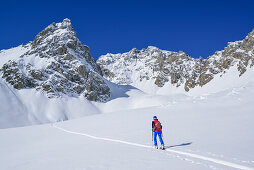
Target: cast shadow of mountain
<point>183,144</point>
<point>118,91</point>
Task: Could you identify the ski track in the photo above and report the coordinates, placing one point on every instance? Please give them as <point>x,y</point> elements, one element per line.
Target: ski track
<point>217,161</point>
<point>193,162</point>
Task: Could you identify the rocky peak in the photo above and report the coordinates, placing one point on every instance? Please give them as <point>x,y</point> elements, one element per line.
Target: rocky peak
<point>66,22</point>
<point>56,39</point>
<point>58,64</point>
<point>178,68</point>
<point>64,30</point>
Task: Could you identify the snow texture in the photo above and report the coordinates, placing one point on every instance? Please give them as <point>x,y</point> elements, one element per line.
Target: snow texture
<point>205,132</point>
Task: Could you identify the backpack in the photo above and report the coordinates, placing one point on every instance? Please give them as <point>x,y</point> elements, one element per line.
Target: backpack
<point>157,126</point>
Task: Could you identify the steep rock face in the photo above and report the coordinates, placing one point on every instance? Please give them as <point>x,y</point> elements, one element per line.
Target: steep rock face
<point>57,63</point>
<point>151,63</point>
<point>177,68</point>
<point>154,64</point>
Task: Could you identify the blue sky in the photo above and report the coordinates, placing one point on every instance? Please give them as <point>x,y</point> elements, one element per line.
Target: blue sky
<point>198,28</point>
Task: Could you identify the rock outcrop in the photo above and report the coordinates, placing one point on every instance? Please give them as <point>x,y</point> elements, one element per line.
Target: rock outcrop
<point>58,64</point>
<point>178,68</point>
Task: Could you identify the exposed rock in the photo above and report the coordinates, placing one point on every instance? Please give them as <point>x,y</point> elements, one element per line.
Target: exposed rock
<point>58,64</point>
<point>96,89</point>
<point>177,68</point>
<point>160,80</point>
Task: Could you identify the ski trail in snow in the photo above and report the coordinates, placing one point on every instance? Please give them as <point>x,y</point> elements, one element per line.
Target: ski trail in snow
<point>217,161</point>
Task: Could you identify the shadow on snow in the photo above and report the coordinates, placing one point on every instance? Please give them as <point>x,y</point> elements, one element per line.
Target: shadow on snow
<point>118,91</point>
<point>183,144</point>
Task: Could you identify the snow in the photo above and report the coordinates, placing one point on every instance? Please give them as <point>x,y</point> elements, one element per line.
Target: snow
<point>240,51</point>
<point>13,112</point>
<point>136,65</point>
<point>226,81</point>
<point>209,127</point>
<point>28,107</point>
<point>234,43</point>
<point>205,132</point>
<point>202,128</point>
<point>13,53</point>
<point>169,150</point>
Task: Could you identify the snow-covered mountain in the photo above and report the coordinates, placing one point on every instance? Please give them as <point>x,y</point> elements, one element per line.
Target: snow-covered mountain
<point>50,79</point>
<point>205,106</point>
<point>56,63</point>
<point>177,69</point>
<point>54,77</point>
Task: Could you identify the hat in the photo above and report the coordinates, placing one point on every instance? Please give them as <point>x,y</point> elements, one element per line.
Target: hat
<point>155,117</point>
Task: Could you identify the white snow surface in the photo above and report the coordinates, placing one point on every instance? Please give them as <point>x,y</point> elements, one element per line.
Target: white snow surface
<point>13,53</point>
<point>205,132</point>
<point>28,107</point>
<point>212,130</point>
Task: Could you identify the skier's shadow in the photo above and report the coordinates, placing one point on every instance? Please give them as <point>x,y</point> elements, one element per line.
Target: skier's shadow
<point>183,144</point>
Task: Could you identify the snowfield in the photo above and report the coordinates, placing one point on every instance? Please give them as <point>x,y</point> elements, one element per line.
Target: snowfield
<point>212,131</point>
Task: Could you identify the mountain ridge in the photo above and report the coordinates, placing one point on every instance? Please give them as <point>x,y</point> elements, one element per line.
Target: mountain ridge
<point>54,78</point>
<point>57,63</point>
<point>178,68</point>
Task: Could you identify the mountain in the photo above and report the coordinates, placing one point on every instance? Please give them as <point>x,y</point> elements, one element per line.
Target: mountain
<point>205,106</point>
<point>57,64</point>
<point>177,69</point>
<point>54,78</point>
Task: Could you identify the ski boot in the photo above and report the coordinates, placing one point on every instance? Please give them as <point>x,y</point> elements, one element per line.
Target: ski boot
<point>156,147</point>
<point>162,147</point>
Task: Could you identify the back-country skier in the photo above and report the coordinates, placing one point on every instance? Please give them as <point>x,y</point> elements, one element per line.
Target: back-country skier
<point>157,130</point>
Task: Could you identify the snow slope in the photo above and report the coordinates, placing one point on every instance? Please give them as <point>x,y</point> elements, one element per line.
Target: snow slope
<point>205,132</point>
<point>13,53</point>
<point>219,83</point>
<point>28,107</point>
<point>13,112</point>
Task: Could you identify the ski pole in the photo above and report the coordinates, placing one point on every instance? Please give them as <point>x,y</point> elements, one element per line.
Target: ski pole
<point>152,133</point>
<point>162,137</point>
<point>152,137</point>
